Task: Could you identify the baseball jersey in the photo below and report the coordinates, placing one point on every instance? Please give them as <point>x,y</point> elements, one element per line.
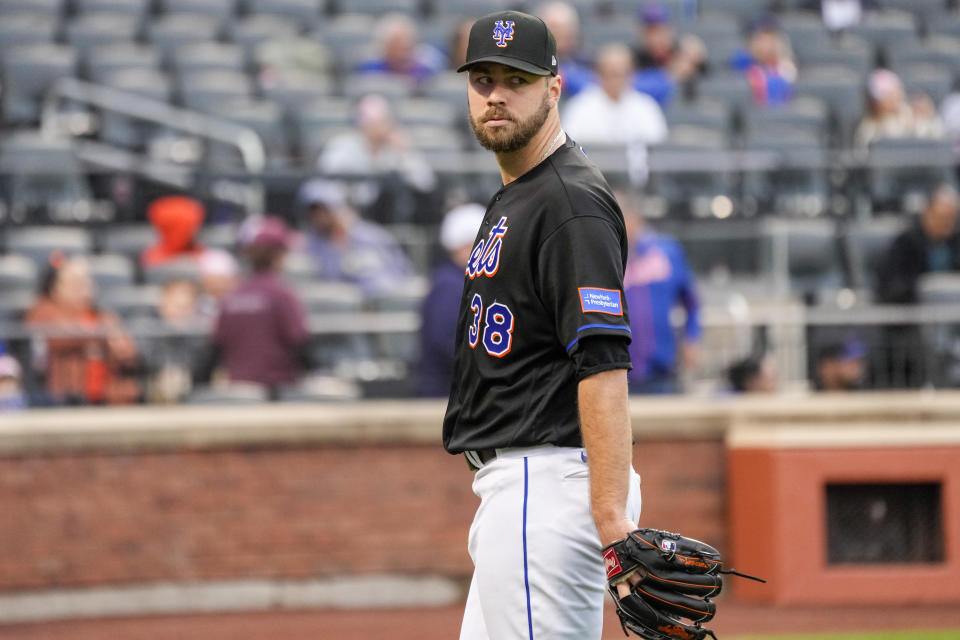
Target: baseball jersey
<point>546,272</point>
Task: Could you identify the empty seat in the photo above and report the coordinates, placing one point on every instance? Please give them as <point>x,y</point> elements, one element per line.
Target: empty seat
<point>30,71</point>
<point>327,297</point>
<point>393,87</point>
<point>218,236</point>
<point>930,10</point>
<point>380,7</point>
<point>705,112</point>
<point>885,27</point>
<point>941,50</point>
<point>104,60</point>
<point>732,88</point>
<point>805,30</point>
<point>867,242</point>
<point>805,257</point>
<point>21,29</point>
<point>178,269</point>
<point>176,30</point>
<point>405,295</point>
<point>852,52</point>
<point>206,91</point>
<point>803,114</point>
<point>321,389</point>
<point>305,12</point>
<point>423,111</point>
<point>265,118</point>
<point>903,171</point>
<point>15,304</point>
<point>129,240</point>
<point>17,272</point>
<point>317,122</point>
<point>435,138</point>
<point>299,267</point>
<point>131,132</point>
<point>42,173</point>
<point>252,31</point>
<point>930,79</point>
<point>220,9</point>
<point>208,56</point>
<point>594,34</point>
<point>690,171</point>
<point>96,29</point>
<point>138,8</point>
<point>38,243</point>
<point>111,270</point>
<point>841,88</point>
<point>51,9</point>
<point>795,182</point>
<point>296,90</point>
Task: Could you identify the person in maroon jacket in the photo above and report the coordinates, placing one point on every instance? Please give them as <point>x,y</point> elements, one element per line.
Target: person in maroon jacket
<point>261,331</point>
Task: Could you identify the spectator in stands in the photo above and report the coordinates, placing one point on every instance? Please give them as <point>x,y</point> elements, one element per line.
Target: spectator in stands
<point>839,15</point>
<point>12,397</point>
<point>614,113</point>
<point>379,146</point>
<point>219,275</point>
<point>176,220</point>
<point>754,374</point>
<point>175,355</point>
<point>95,362</point>
<point>564,23</point>
<point>261,332</point>
<point>891,115</point>
<point>439,311</point>
<point>767,62</point>
<point>400,52</point>
<point>841,366</point>
<point>345,246</point>
<point>656,280</point>
<point>665,63</point>
<point>931,244</point>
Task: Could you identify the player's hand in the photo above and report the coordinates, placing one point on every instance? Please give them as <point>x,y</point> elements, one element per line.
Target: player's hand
<point>612,531</point>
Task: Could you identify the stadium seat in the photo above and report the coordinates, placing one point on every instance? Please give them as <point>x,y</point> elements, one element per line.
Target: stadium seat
<point>902,171</point>
<point>941,341</point>
<point>101,61</point>
<point>28,72</point>
<point>91,30</point>
<point>745,10</point>
<point>38,243</point>
<point>929,10</point>
<point>729,87</point>
<point>307,13</point>
<point>299,267</point>
<point>796,182</point>
<point>129,240</point>
<point>129,132</point>
<point>208,56</point>
<point>138,8</point>
<point>17,272</point>
<point>42,173</point>
<point>852,52</point>
<point>265,118</point>
<point>321,389</point>
<point>219,236</point>
<point>803,114</point>
<point>178,269</point>
<point>20,29</point>
<point>705,112</point>
<point>52,10</point>
<point>206,91</point>
<point>805,30</point>
<point>404,296</point>
<point>686,175</point>
<point>296,90</point>
<point>943,51</point>
<point>731,248</point>
<point>390,86</point>
<point>805,257</point>
<point>842,89</point>
<point>254,30</point>
<point>930,79</point>
<point>867,241</point>
<point>450,87</point>
<point>222,10</point>
<point>423,111</point>
<point>435,138</point>
<point>885,28</point>
<point>381,7</point>
<point>111,270</point>
<point>171,32</point>
<point>15,304</point>
<point>326,297</point>
<point>315,123</point>
<point>470,8</point>
<point>598,32</point>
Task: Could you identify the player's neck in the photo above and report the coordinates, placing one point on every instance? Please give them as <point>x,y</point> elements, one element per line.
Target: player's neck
<point>548,139</point>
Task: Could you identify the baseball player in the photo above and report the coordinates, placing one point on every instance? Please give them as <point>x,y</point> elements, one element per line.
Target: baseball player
<point>538,402</point>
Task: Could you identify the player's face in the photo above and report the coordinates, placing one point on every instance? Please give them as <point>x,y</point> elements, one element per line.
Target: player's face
<point>507,106</point>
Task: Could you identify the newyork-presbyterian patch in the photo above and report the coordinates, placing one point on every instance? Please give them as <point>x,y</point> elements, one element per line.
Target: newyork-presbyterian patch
<point>597,300</point>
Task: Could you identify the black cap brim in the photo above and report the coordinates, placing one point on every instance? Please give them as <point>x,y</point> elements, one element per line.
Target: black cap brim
<point>509,61</point>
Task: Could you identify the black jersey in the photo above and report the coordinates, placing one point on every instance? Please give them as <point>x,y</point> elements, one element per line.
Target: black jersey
<point>546,271</point>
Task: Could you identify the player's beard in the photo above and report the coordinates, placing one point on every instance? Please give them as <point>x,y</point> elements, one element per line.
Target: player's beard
<point>509,138</point>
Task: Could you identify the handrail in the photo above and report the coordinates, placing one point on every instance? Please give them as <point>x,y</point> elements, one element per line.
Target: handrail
<point>246,140</point>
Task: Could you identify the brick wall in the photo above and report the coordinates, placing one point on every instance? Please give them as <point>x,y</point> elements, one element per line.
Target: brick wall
<point>273,511</point>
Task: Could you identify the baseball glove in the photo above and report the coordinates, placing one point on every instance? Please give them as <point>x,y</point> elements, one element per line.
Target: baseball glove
<point>677,578</point>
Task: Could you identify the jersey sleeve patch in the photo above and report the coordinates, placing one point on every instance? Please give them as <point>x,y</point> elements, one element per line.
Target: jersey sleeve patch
<point>597,300</point>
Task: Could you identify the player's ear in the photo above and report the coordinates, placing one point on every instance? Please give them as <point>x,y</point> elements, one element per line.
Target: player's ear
<point>554,88</point>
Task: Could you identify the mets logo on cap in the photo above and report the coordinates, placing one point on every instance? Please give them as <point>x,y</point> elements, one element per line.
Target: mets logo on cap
<point>502,32</point>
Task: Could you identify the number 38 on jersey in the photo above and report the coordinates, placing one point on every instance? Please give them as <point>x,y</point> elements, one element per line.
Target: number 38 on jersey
<point>492,325</point>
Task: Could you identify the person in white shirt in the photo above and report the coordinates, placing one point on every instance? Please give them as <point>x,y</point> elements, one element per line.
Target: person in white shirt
<point>612,112</point>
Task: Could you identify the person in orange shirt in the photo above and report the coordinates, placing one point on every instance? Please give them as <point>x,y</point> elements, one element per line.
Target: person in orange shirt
<point>92,360</point>
<point>177,220</point>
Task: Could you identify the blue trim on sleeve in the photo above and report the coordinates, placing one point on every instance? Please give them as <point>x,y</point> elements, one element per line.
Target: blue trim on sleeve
<point>596,326</point>
<point>526,575</point>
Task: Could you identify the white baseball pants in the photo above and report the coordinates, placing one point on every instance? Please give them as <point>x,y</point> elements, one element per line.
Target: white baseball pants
<point>538,573</point>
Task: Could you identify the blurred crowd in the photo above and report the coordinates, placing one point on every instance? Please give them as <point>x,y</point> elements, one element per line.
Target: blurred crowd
<point>244,313</point>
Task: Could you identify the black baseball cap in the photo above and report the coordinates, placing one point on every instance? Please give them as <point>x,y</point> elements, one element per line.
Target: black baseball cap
<point>515,39</point>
